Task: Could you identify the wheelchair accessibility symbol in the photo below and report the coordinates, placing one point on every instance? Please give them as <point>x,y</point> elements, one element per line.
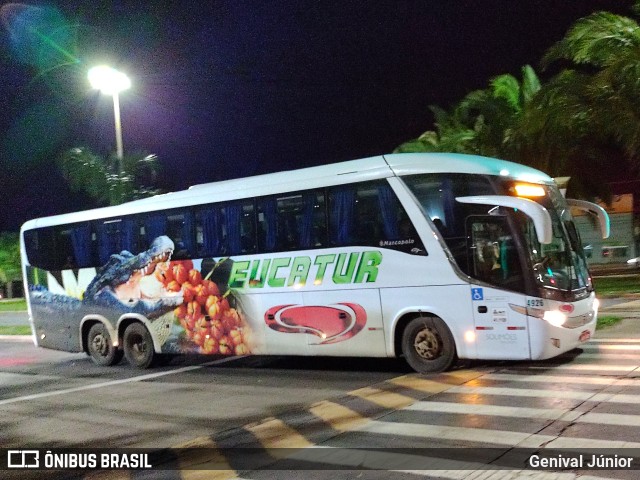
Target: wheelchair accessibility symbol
<point>477,294</point>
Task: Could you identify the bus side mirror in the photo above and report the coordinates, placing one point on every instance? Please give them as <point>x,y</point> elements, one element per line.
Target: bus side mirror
<point>597,210</point>
<point>536,212</point>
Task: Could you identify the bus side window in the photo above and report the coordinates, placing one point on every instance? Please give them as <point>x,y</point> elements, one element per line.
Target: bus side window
<point>342,224</point>
<point>82,240</point>
<point>294,222</point>
<point>238,235</point>
<point>116,235</point>
<point>209,231</point>
<point>180,229</point>
<point>155,225</point>
<point>370,213</point>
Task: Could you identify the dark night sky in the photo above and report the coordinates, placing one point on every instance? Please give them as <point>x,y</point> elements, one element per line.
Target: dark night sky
<point>228,88</point>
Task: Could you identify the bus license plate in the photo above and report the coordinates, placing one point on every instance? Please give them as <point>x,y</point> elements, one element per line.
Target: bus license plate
<point>584,336</point>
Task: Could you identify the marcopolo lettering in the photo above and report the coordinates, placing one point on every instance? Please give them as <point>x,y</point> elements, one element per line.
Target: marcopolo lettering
<point>339,268</point>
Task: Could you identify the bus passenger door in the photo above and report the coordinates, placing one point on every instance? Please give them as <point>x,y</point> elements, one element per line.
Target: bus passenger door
<point>501,331</point>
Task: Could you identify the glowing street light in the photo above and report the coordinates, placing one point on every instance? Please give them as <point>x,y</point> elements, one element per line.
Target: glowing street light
<point>111,82</point>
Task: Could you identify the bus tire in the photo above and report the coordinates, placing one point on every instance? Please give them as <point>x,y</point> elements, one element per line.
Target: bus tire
<point>427,345</point>
<point>100,347</point>
<point>138,346</point>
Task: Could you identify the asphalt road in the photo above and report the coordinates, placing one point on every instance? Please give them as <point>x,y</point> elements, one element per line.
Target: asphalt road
<point>483,411</point>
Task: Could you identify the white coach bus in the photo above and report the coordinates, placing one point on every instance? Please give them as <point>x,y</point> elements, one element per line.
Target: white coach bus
<point>432,257</point>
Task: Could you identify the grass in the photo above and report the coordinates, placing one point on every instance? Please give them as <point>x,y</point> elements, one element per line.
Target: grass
<point>15,330</point>
<point>616,286</point>
<point>13,305</point>
<point>607,321</point>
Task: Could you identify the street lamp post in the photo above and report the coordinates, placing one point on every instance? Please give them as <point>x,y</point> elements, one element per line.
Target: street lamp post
<point>111,82</point>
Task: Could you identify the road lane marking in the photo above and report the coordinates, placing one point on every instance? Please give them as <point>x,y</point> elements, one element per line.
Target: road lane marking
<point>112,383</point>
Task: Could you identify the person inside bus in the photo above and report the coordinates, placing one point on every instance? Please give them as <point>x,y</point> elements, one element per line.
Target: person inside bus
<point>488,266</point>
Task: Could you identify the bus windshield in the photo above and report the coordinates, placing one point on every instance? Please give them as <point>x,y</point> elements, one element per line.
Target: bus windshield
<point>560,265</point>
<point>559,269</point>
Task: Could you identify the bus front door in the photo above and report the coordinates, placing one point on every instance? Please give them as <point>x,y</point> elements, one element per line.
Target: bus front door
<point>501,331</point>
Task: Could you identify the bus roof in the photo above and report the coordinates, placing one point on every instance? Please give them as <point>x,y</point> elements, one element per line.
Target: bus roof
<point>372,168</point>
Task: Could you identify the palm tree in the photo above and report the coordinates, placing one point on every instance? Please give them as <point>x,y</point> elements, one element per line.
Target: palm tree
<point>483,122</point>
<point>100,178</point>
<point>603,49</point>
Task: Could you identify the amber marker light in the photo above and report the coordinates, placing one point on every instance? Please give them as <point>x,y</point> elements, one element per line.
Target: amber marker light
<point>529,190</point>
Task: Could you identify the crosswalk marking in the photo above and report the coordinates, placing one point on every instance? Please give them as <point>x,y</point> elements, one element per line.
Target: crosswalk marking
<point>384,399</point>
<point>562,379</point>
<point>527,392</point>
<point>611,347</point>
<point>443,432</point>
<point>614,340</point>
<point>274,433</point>
<point>605,356</point>
<point>586,366</point>
<point>440,467</point>
<point>338,416</point>
<point>420,384</point>
<point>610,419</point>
<point>495,410</point>
<point>215,467</point>
<point>489,436</point>
<point>574,381</point>
<point>563,414</point>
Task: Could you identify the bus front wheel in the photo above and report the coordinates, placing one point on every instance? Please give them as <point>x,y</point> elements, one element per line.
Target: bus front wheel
<point>138,346</point>
<point>427,345</point>
<point>100,347</point>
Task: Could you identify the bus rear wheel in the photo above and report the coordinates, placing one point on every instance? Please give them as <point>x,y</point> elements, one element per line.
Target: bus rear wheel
<point>138,346</point>
<point>100,347</point>
<point>428,346</point>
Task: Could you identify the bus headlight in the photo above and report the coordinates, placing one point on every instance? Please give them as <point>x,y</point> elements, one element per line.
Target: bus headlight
<point>555,318</point>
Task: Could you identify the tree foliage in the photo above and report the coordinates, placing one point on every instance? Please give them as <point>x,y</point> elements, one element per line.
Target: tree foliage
<point>483,121</point>
<point>9,257</point>
<point>586,114</point>
<point>102,179</point>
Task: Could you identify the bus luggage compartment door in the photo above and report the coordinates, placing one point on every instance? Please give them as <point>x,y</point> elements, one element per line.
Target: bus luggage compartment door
<point>347,322</point>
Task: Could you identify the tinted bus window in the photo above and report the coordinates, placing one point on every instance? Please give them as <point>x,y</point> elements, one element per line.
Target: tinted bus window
<point>370,214</point>
<point>292,222</point>
<point>180,229</point>
<point>116,235</point>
